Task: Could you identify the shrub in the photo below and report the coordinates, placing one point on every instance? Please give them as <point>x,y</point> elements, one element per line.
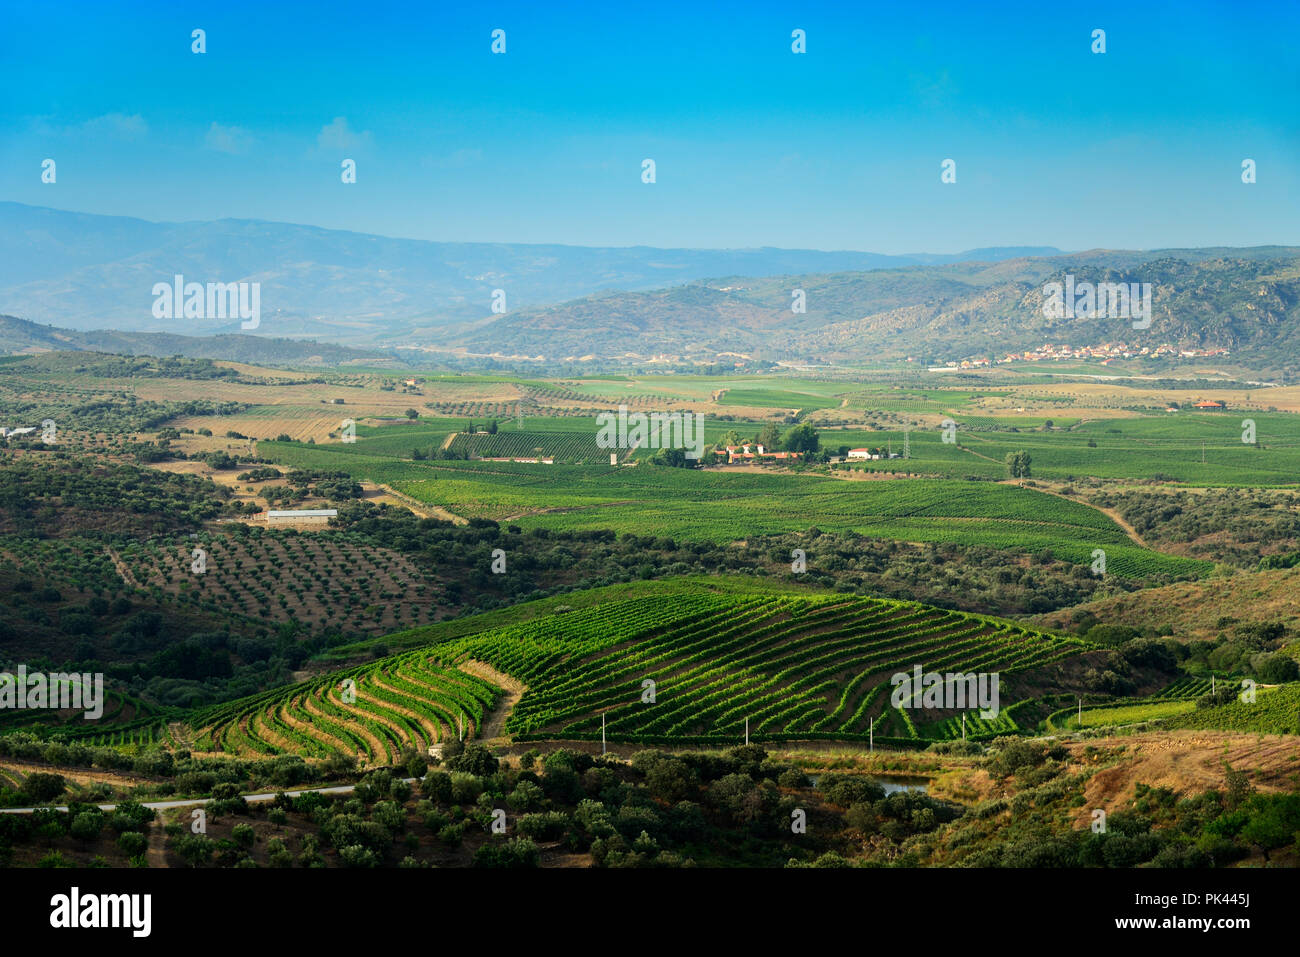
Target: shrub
<point>132,843</point>
<point>474,759</point>
<point>546,826</point>
<point>465,788</point>
<point>41,787</point>
<point>519,852</point>
<point>87,825</point>
<point>354,855</point>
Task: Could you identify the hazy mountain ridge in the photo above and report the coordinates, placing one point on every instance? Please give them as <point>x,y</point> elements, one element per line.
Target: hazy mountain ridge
<point>86,271</point>
<point>21,335</point>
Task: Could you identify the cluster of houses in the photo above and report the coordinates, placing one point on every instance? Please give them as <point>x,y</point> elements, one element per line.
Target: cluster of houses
<point>757,453</point>
<point>1107,352</point>
<point>1209,405</point>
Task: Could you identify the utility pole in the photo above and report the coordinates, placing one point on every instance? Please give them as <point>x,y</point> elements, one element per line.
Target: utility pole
<point>907,438</point>
<point>602,732</point>
<point>963,727</point>
<point>1080,712</point>
<point>747,731</point>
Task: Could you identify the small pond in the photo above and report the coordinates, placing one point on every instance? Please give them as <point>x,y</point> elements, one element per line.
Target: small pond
<point>891,783</point>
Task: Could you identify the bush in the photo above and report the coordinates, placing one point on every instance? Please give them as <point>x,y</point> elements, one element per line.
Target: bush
<point>87,825</point>
<point>474,759</point>
<point>547,826</point>
<point>437,787</point>
<point>354,855</point>
<point>519,852</point>
<point>132,843</point>
<point>465,788</point>
<point>526,796</point>
<point>41,787</point>
<point>131,816</point>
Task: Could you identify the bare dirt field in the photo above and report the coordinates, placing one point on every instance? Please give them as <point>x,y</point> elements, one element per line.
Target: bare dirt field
<point>1186,762</point>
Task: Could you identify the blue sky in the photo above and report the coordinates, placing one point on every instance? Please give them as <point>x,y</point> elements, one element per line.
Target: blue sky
<point>838,148</point>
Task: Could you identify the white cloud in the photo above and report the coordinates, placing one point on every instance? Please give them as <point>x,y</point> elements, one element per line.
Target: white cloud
<point>337,135</point>
<point>228,139</point>
<point>118,125</point>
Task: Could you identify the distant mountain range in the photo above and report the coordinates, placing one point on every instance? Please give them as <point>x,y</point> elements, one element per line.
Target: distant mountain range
<point>372,297</point>
<point>1243,300</point>
<point>84,271</point>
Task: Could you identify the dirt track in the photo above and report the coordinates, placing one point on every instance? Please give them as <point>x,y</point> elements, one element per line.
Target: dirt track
<point>494,726</point>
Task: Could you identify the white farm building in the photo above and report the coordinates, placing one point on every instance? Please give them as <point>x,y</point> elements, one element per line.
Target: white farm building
<point>300,516</point>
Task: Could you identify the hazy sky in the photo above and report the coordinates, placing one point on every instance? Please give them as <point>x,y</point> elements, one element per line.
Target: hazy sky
<point>837,148</point>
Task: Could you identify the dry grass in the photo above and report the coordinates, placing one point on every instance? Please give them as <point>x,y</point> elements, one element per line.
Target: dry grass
<point>1193,609</point>
<point>1186,762</point>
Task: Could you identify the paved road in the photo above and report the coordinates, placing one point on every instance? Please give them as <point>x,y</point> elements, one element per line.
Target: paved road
<point>198,802</point>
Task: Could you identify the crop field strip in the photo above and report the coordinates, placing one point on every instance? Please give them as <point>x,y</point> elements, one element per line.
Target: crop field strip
<point>571,447</point>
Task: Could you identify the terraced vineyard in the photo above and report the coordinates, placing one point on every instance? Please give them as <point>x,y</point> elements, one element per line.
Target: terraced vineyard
<point>122,714</point>
<point>794,667</point>
<point>372,712</point>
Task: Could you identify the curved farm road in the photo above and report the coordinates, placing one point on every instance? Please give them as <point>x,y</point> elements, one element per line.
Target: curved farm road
<point>156,852</point>
<point>377,493</point>
<point>494,726</point>
<point>1110,513</point>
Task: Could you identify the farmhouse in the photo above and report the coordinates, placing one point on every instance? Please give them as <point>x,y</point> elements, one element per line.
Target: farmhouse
<point>757,453</point>
<point>1211,404</point>
<point>872,455</point>
<point>300,516</point>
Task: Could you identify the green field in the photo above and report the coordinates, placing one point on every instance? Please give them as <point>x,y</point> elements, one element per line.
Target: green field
<point>725,506</point>
<point>1275,711</point>
<point>1192,449</point>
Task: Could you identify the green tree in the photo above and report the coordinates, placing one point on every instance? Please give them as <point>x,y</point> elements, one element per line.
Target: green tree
<point>770,437</point>
<point>41,787</point>
<point>802,438</point>
<point>1018,464</point>
<point>412,414</point>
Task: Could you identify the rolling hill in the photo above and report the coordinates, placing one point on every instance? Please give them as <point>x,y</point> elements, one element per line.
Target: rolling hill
<point>680,662</point>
